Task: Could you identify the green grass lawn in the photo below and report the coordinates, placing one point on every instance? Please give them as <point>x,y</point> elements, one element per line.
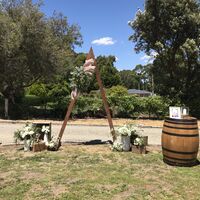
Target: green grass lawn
<point>93,172</point>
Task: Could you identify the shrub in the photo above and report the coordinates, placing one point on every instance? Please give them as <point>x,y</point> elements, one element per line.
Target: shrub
<point>194,107</point>
<point>117,91</point>
<point>126,106</point>
<point>88,107</point>
<point>156,106</point>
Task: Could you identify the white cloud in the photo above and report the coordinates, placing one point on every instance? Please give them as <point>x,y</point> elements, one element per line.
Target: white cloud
<point>116,58</point>
<point>104,41</point>
<point>149,58</point>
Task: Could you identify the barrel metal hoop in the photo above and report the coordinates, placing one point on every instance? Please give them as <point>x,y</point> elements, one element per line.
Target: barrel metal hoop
<point>181,159</point>
<point>184,128</point>
<point>179,152</point>
<point>181,120</point>
<point>177,122</point>
<point>180,135</point>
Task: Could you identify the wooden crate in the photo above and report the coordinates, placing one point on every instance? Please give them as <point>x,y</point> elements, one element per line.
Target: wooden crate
<point>39,125</point>
<point>39,147</point>
<point>139,149</point>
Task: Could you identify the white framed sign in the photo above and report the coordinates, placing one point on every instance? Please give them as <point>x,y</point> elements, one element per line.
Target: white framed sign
<point>175,112</point>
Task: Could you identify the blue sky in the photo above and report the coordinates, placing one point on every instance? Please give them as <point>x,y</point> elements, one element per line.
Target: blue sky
<point>103,26</point>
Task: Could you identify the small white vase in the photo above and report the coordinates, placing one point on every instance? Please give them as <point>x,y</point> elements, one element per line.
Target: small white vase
<point>126,143</point>
<point>27,144</point>
<point>46,140</point>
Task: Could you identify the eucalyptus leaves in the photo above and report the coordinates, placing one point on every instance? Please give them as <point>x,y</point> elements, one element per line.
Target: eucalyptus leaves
<point>28,132</point>
<point>80,77</point>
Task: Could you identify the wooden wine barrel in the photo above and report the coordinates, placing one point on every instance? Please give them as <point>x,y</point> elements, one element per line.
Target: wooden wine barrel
<point>180,141</point>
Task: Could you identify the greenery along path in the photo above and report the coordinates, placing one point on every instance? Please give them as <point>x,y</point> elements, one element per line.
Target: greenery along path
<point>93,172</point>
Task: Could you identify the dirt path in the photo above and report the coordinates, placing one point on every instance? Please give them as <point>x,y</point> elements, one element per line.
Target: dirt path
<point>116,122</point>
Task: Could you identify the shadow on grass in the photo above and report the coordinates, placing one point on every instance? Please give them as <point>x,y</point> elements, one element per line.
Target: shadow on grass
<point>97,142</point>
<point>91,142</point>
<point>197,163</point>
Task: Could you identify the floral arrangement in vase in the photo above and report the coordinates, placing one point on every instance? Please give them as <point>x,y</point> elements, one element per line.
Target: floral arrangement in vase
<point>122,142</point>
<point>139,141</point>
<point>53,145</point>
<point>28,135</point>
<point>46,130</point>
<point>127,135</point>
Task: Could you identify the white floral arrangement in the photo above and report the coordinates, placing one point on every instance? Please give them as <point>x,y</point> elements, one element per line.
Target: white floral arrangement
<point>53,145</point>
<point>139,141</point>
<point>129,129</point>
<point>124,131</point>
<point>117,146</point>
<point>28,132</point>
<point>45,129</point>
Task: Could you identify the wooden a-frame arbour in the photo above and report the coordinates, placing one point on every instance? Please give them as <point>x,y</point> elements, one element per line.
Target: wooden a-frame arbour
<point>90,55</point>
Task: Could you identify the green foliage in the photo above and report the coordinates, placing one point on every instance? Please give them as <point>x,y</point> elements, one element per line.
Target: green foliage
<point>129,79</point>
<point>108,72</point>
<point>79,79</point>
<point>32,100</point>
<point>122,106</point>
<point>194,106</point>
<point>58,89</point>
<point>89,107</point>
<point>38,89</point>
<point>156,106</point>
<point>117,90</point>
<point>33,46</point>
<point>171,29</point>
<point>29,131</point>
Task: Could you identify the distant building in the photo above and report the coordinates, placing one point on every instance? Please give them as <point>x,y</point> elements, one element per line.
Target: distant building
<point>141,93</point>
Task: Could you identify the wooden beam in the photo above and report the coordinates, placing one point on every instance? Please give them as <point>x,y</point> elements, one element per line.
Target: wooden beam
<point>69,110</point>
<point>103,95</point>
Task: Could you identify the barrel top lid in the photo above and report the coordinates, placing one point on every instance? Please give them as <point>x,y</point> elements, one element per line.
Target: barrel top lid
<point>184,119</point>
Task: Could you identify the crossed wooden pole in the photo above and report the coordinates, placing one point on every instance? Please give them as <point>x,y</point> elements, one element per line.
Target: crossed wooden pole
<point>90,55</point>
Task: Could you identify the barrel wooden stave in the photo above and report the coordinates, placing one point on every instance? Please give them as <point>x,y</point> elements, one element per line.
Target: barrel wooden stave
<point>180,141</point>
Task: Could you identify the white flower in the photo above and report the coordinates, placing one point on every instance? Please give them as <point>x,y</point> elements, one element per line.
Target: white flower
<point>31,132</point>
<point>23,134</point>
<point>139,141</point>
<point>117,146</point>
<point>124,131</point>
<point>27,128</point>
<point>45,129</point>
<point>51,144</point>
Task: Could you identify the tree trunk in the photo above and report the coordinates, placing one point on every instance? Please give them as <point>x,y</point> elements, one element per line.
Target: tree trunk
<point>152,85</point>
<point>6,108</point>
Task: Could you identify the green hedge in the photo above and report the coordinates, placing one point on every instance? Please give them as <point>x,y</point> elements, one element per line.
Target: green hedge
<point>90,106</point>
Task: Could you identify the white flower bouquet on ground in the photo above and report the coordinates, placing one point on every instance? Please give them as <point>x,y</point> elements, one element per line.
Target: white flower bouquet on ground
<point>28,135</point>
<point>123,138</point>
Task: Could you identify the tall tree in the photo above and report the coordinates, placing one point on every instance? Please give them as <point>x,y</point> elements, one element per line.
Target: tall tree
<point>144,75</point>
<point>108,72</point>
<point>32,47</point>
<point>129,79</point>
<point>172,30</point>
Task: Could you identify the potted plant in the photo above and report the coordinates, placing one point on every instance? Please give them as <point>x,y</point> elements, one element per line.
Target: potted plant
<point>46,130</point>
<point>139,145</point>
<point>40,145</point>
<point>53,145</point>
<point>123,138</point>
<point>28,135</point>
